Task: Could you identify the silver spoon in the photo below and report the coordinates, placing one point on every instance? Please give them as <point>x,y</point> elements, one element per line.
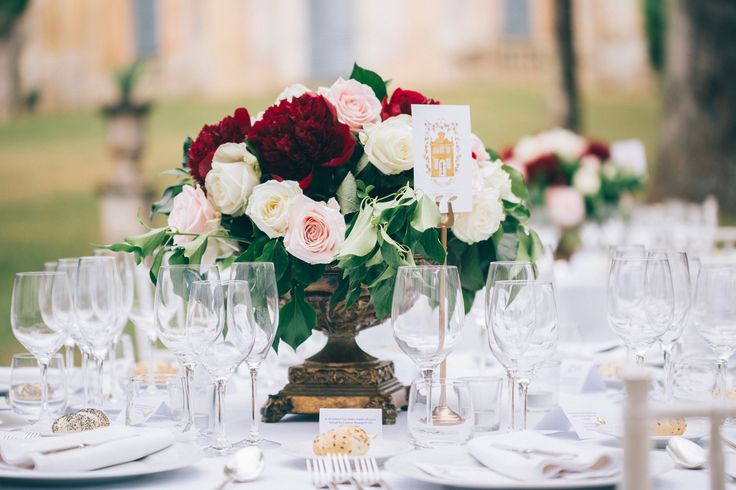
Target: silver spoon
<point>686,453</point>
<point>245,465</point>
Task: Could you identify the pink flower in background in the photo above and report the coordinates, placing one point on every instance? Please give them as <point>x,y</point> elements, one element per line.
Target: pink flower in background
<point>478,150</point>
<point>565,206</point>
<point>316,230</point>
<point>192,213</point>
<point>355,103</point>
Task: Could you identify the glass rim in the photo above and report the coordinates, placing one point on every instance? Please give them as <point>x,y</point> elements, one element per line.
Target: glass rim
<point>181,266</point>
<point>639,259</point>
<point>479,379</point>
<point>222,282</point>
<point>428,267</point>
<point>96,257</point>
<point>717,268</point>
<point>40,273</point>
<point>144,377</point>
<point>439,382</point>
<point>540,282</point>
<point>68,259</point>
<point>513,262</point>
<point>252,263</point>
<point>28,355</point>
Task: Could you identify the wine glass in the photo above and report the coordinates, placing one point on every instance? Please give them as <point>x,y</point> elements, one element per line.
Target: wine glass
<point>505,271</point>
<point>264,296</point>
<point>427,315</point>
<point>221,333</point>
<point>631,250</point>
<point>169,312</point>
<point>714,315</point>
<point>41,311</point>
<point>125,264</point>
<point>523,327</point>
<point>97,301</point>
<point>682,292</point>
<point>640,301</point>
<point>141,314</point>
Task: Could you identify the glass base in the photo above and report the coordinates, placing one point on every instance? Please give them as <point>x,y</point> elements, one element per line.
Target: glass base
<point>214,452</point>
<point>260,443</point>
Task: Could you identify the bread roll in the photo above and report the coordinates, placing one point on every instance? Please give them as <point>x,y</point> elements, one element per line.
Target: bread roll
<point>669,427</point>
<point>84,419</point>
<point>348,440</point>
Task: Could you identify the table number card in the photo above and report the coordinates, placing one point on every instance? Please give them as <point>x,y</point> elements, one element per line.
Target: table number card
<point>443,165</point>
<point>368,419</point>
<point>580,377</point>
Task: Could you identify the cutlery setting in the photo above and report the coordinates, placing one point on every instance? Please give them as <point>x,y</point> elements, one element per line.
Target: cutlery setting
<point>334,469</point>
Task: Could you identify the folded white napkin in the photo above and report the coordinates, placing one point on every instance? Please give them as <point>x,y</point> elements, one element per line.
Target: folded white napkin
<point>107,446</point>
<point>549,457</point>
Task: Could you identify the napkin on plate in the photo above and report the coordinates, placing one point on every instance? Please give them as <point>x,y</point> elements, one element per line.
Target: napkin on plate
<point>570,460</point>
<point>107,446</point>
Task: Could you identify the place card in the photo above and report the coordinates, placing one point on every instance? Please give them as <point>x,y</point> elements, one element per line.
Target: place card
<point>368,419</point>
<point>580,377</point>
<point>579,414</point>
<point>143,410</point>
<point>443,164</point>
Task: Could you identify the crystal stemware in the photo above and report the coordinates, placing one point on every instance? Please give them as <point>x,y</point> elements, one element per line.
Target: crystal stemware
<point>141,314</point>
<point>264,296</point>
<point>523,326</point>
<point>97,303</point>
<point>221,333</point>
<point>714,315</point>
<point>173,286</point>
<point>69,266</point>
<point>640,301</point>
<point>427,315</point>
<point>40,313</point>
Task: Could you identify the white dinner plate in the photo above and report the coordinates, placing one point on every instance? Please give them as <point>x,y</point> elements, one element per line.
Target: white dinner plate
<point>380,448</point>
<point>10,420</point>
<point>177,456</point>
<point>405,465</point>
<point>696,429</point>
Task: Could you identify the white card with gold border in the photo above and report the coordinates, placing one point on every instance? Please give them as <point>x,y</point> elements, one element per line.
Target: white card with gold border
<point>443,166</point>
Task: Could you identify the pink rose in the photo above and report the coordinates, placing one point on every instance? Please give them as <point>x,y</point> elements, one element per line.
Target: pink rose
<point>355,103</point>
<point>565,206</point>
<point>315,230</point>
<point>192,213</point>
<point>478,150</point>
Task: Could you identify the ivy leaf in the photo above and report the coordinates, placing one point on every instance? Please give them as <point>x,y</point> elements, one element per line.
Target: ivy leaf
<point>432,245</point>
<point>347,195</point>
<point>391,254</point>
<point>370,78</point>
<point>297,318</point>
<point>518,187</point>
<point>156,264</point>
<point>195,249</point>
<point>124,247</point>
<point>149,241</point>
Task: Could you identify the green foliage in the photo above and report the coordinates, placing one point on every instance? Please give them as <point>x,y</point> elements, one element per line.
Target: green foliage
<point>126,78</point>
<point>10,12</point>
<point>370,78</point>
<point>655,24</point>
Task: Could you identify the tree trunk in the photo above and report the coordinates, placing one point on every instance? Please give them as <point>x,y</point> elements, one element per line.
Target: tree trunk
<point>698,153</point>
<point>10,97</point>
<point>569,109</point>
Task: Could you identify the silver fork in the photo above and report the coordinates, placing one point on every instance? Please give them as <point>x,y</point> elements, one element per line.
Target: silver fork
<point>368,473</point>
<point>18,436</point>
<point>320,473</point>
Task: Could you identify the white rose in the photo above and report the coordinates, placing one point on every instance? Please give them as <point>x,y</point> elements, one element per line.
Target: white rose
<point>529,148</point>
<point>587,179</point>
<point>291,92</point>
<point>566,144</point>
<point>388,144</point>
<point>234,174</point>
<point>483,221</point>
<point>268,206</point>
<point>495,177</point>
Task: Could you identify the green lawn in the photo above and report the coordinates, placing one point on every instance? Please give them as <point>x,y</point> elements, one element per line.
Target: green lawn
<point>51,165</point>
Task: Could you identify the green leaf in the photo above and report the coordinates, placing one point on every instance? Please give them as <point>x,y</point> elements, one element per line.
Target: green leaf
<point>468,298</point>
<point>156,264</point>
<point>195,249</point>
<point>432,245</point>
<point>471,275</point>
<point>370,78</point>
<point>254,250</point>
<point>507,245</point>
<point>178,258</point>
<point>518,186</point>
<point>124,247</point>
<point>185,151</point>
<point>391,254</point>
<point>149,241</point>
<point>280,259</point>
<point>267,252</point>
<point>305,274</point>
<point>493,153</point>
<point>347,195</point>
<point>426,214</point>
<point>382,296</point>
<point>296,320</point>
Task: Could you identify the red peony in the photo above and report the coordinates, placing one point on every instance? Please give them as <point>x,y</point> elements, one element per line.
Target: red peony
<point>598,149</point>
<point>546,169</point>
<point>401,101</point>
<point>295,136</point>
<point>232,129</point>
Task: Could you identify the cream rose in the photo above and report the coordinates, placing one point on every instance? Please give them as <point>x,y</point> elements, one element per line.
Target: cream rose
<point>316,230</point>
<point>291,92</point>
<point>234,174</point>
<point>483,221</point>
<point>587,179</point>
<point>565,206</point>
<point>495,177</point>
<point>268,206</point>
<point>388,144</point>
<point>355,103</point>
<point>192,213</point>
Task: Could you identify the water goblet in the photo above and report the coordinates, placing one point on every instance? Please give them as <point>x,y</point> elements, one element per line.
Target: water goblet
<point>40,313</point>
<point>264,297</point>
<point>141,314</point>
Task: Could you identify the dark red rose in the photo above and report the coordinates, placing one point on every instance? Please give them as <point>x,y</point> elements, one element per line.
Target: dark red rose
<point>507,153</point>
<point>294,137</point>
<point>545,169</point>
<point>232,129</point>
<point>598,149</point>
<point>401,101</point>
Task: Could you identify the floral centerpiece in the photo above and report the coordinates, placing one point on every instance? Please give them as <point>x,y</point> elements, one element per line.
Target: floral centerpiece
<point>323,179</point>
<point>574,178</point>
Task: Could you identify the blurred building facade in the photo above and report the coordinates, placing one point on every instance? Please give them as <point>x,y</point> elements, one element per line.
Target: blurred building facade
<point>222,48</point>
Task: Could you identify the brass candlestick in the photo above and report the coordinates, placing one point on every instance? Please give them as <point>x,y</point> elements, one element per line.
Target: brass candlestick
<point>442,414</point>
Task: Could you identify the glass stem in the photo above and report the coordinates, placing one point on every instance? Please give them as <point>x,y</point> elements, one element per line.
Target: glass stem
<point>85,376</point>
<point>721,380</point>
<point>69,355</point>
<point>511,380</point>
<point>639,359</point>
<point>254,435</point>
<point>523,384</point>
<point>113,357</point>
<point>668,371</point>
<point>152,361</point>
<point>221,441</point>
<point>188,402</point>
<point>427,374</point>
<point>43,416</point>
<point>99,396</point>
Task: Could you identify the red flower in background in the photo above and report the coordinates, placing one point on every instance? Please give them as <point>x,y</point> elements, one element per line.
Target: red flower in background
<point>598,149</point>
<point>545,169</point>
<point>295,136</point>
<point>232,129</point>
<point>401,101</point>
